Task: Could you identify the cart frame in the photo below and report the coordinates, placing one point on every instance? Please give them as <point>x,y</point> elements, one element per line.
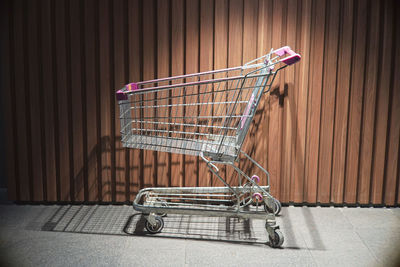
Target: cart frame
<point>213,128</point>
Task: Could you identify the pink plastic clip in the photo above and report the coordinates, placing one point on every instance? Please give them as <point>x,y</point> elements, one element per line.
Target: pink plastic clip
<point>121,94</point>
<point>258,197</point>
<point>254,178</point>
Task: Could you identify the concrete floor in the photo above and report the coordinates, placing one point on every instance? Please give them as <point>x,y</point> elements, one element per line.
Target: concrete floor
<point>114,236</point>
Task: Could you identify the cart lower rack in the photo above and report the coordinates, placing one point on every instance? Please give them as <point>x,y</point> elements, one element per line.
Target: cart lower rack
<point>208,115</point>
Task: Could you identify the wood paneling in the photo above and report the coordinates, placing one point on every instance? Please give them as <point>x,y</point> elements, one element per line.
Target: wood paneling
<point>328,132</point>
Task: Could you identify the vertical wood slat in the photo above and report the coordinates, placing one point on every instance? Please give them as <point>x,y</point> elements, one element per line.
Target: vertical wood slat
<point>22,114</point>
<point>163,70</point>
<point>91,156</point>
<point>220,46</point>
<point>392,162</point>
<point>369,103</point>
<point>301,117</point>
<point>250,38</point>
<point>192,66</point>
<point>36,99</point>
<point>60,81</point>
<point>235,36</point>
<point>263,46</point>
<point>120,80</point>
<point>105,100</point>
<point>328,102</point>
<point>328,131</point>
<point>274,135</point>
<point>314,101</point>
<point>342,103</point>
<point>111,55</point>
<point>382,107</point>
<point>177,67</point>
<point>134,24</point>
<point>355,109</point>
<point>47,51</point>
<point>75,107</point>
<point>8,97</point>
<point>289,107</point>
<point>152,33</point>
<point>205,63</point>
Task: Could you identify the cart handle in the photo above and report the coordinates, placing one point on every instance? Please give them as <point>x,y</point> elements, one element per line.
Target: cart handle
<point>291,59</point>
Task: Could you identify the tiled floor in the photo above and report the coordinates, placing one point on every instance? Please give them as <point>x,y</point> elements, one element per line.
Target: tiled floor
<point>114,236</point>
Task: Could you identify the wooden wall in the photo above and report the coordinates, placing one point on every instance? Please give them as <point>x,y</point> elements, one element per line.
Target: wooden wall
<point>328,132</point>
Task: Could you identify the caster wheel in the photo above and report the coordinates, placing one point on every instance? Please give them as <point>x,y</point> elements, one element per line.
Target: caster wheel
<point>277,207</point>
<point>277,240</point>
<point>154,229</point>
<point>163,204</point>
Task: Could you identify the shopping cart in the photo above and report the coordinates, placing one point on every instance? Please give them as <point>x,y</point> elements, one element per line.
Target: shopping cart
<point>208,115</point>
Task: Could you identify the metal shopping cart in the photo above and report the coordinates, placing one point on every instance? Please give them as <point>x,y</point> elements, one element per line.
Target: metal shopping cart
<point>208,115</point>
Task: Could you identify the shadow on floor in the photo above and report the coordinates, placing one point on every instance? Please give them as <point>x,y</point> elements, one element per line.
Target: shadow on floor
<point>119,220</point>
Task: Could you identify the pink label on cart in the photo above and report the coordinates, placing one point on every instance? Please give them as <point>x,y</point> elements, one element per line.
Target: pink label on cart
<point>132,86</point>
<point>246,112</point>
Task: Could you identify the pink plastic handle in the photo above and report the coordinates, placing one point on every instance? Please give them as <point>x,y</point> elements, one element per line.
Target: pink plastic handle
<point>291,59</point>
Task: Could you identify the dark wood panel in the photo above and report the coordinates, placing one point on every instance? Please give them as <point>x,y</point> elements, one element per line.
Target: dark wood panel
<point>36,101</point>
<point>77,77</point>
<point>8,97</point>
<point>48,80</point>
<point>21,102</point>
<point>91,148</point>
<point>134,30</point>
<point>120,77</point>
<point>105,99</point>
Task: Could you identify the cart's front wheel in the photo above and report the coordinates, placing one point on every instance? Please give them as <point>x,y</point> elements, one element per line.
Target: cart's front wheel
<point>277,239</point>
<point>157,227</point>
<point>276,209</point>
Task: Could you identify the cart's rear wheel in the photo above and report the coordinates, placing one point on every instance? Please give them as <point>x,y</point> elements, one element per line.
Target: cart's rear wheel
<point>276,241</point>
<point>154,229</point>
<point>276,209</point>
